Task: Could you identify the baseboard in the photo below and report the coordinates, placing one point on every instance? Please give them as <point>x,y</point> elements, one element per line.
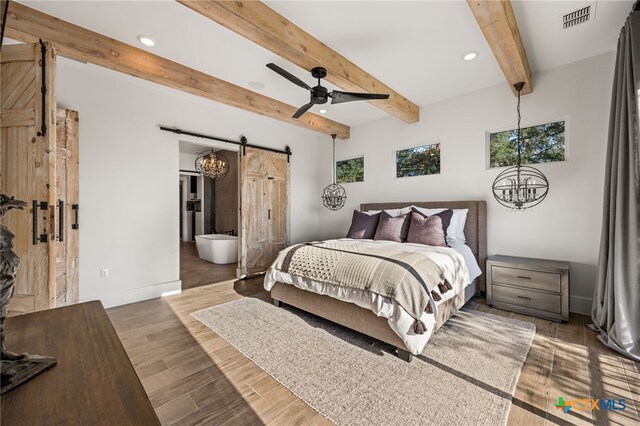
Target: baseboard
<point>124,297</point>
<point>580,305</point>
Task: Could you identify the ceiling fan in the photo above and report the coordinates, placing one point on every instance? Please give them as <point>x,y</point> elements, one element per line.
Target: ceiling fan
<point>320,94</point>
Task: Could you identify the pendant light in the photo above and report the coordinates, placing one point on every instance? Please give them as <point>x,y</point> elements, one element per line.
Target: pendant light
<point>334,196</point>
<point>520,187</point>
<point>212,164</point>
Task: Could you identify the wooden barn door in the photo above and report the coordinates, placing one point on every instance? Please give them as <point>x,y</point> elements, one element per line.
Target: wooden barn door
<point>39,164</point>
<point>67,189</point>
<point>264,209</point>
<point>28,171</point>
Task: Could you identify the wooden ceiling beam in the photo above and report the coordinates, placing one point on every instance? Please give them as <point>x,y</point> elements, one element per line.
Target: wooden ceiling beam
<point>264,26</point>
<point>28,25</point>
<point>499,26</point>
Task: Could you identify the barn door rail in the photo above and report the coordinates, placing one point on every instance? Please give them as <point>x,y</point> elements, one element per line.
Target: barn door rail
<point>43,90</point>
<point>242,142</point>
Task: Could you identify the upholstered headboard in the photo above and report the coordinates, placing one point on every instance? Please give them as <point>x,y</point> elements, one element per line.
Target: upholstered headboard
<point>475,230</point>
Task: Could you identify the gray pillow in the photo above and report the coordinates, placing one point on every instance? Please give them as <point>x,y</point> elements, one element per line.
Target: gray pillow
<point>390,228</point>
<point>429,230</point>
<point>363,226</point>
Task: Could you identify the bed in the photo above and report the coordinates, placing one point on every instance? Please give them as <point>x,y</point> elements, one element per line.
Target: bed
<point>379,317</point>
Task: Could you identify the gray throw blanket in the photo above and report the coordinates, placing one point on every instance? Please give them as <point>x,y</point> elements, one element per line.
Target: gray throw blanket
<point>411,279</point>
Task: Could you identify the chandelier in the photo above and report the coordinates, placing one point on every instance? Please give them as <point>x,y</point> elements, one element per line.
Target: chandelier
<point>212,164</point>
<point>334,195</point>
<point>520,187</point>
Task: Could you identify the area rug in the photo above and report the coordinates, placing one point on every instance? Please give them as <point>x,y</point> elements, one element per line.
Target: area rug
<point>466,375</point>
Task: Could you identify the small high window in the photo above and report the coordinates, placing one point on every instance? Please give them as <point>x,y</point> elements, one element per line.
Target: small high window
<point>349,171</point>
<point>418,161</point>
<point>544,143</point>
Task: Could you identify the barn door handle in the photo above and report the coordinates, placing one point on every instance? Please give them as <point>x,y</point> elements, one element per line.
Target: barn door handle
<point>42,205</point>
<point>269,215</point>
<point>76,208</point>
<point>61,220</point>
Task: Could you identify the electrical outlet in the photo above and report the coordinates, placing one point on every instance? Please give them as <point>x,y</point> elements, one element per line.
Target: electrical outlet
<point>104,273</point>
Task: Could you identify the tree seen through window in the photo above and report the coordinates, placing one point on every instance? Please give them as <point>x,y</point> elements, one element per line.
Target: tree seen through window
<point>540,144</point>
<point>418,161</point>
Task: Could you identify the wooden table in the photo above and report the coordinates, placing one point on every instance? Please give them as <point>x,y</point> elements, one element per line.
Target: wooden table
<point>93,383</point>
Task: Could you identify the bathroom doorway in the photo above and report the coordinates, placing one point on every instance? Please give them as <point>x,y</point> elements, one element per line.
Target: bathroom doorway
<point>208,218</point>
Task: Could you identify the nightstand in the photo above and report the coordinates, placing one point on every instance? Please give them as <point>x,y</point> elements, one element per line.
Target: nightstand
<point>535,287</point>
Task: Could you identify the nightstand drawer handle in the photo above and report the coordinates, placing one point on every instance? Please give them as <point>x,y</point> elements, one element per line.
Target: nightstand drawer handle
<point>523,297</point>
<point>524,278</point>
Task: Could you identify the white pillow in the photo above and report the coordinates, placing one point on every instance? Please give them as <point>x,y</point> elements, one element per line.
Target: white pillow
<point>455,231</point>
<point>391,212</point>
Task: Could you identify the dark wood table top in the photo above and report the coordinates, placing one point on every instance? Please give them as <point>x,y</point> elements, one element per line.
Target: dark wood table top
<point>93,382</point>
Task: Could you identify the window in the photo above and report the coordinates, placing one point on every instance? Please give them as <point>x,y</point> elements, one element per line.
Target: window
<point>418,161</point>
<point>540,144</point>
<point>348,171</point>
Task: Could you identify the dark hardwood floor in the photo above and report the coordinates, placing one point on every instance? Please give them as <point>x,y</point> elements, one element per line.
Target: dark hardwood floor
<point>193,376</point>
<point>195,272</point>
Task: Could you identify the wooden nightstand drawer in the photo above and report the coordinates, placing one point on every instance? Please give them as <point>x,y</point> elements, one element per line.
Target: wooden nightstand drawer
<point>527,298</point>
<point>546,281</point>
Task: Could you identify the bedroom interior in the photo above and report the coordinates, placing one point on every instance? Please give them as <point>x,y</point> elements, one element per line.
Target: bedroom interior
<point>275,213</point>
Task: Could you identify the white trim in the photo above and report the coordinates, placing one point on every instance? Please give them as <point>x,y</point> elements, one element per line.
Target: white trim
<point>580,305</point>
<point>117,298</point>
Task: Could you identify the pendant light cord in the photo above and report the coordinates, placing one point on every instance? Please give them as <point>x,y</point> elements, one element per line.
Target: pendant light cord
<point>333,168</point>
<point>519,118</point>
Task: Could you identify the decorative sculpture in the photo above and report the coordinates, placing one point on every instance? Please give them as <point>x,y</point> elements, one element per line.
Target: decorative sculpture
<point>16,368</point>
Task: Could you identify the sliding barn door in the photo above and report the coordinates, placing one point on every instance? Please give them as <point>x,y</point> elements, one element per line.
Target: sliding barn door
<point>264,209</point>
<point>277,196</point>
<point>67,207</point>
<point>28,170</point>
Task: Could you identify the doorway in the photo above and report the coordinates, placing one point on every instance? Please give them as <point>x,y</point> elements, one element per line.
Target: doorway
<point>208,218</point>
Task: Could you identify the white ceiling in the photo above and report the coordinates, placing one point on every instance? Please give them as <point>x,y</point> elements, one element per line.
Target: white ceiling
<point>414,47</point>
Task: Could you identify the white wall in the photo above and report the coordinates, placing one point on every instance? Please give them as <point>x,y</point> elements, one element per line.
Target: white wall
<point>566,226</point>
<point>129,176</point>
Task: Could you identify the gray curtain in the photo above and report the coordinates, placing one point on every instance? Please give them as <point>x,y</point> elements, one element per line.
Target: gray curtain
<point>616,301</point>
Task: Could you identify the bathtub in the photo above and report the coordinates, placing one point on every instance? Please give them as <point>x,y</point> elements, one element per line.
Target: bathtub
<point>217,248</point>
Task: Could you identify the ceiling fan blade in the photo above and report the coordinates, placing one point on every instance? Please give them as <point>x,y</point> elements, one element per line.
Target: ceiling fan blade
<point>338,97</point>
<point>286,74</point>
<point>302,110</point>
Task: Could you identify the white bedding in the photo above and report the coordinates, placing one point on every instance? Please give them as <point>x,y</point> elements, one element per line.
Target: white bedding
<point>457,263</point>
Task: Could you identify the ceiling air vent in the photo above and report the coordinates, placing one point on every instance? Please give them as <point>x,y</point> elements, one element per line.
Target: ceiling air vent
<point>579,16</point>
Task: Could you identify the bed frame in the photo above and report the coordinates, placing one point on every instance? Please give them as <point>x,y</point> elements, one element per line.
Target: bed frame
<point>365,321</point>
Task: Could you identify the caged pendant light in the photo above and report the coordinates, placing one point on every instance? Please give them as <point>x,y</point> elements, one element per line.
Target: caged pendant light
<point>334,196</point>
<point>212,164</point>
<point>520,187</point>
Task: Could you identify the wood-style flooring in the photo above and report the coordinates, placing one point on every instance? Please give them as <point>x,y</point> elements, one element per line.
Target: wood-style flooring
<point>195,272</point>
<point>193,376</point>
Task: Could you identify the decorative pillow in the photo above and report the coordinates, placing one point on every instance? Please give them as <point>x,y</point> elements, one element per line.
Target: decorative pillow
<point>390,228</point>
<point>429,230</point>
<point>455,232</point>
<point>363,226</point>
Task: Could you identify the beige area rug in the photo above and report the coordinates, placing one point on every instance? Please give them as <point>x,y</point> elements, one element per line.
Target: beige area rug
<point>466,375</point>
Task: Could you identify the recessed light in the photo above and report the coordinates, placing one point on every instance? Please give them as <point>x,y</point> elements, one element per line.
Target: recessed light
<point>256,85</point>
<point>470,56</point>
<point>146,40</point>
<point>323,111</point>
